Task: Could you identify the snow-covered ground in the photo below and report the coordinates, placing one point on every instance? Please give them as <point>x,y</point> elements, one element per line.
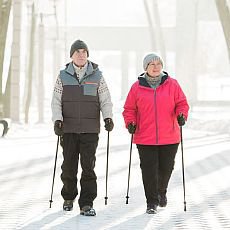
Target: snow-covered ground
<point>26,168</point>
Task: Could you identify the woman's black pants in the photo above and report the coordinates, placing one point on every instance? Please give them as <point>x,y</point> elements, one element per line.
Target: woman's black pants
<point>156,163</point>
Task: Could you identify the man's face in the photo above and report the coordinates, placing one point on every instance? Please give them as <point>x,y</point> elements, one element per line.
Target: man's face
<point>79,57</point>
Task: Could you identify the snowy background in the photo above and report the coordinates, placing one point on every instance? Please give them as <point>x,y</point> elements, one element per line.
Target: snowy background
<point>26,169</point>
<point>27,152</point>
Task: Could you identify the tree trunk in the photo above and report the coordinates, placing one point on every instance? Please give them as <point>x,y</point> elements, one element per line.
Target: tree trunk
<point>159,35</point>
<point>5,7</point>
<point>186,42</point>
<point>224,15</point>
<point>30,67</point>
<point>6,98</point>
<point>15,62</point>
<point>125,73</point>
<point>150,22</point>
<point>40,87</point>
<point>156,34</point>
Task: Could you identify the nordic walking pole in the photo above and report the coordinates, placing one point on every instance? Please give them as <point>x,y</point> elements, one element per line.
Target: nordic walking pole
<point>107,167</point>
<point>182,152</point>
<point>127,195</point>
<point>54,172</point>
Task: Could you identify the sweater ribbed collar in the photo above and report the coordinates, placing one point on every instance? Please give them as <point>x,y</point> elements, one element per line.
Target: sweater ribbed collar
<point>80,71</point>
<point>154,82</point>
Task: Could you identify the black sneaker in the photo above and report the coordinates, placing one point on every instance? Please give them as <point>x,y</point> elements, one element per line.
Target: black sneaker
<point>162,200</point>
<point>87,211</point>
<point>151,209</point>
<point>68,205</point>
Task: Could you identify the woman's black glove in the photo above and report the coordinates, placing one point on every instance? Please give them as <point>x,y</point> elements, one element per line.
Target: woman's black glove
<point>131,128</point>
<point>181,119</point>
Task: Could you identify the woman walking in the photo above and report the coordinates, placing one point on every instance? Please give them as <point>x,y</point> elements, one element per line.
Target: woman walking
<point>154,109</point>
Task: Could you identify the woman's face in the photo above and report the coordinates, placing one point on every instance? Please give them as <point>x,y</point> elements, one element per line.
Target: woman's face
<point>79,57</point>
<point>154,68</point>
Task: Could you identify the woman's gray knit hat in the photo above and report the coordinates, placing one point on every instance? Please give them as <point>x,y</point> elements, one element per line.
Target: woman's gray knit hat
<point>78,44</point>
<point>151,57</point>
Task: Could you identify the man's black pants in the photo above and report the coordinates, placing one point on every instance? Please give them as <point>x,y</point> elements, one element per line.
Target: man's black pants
<point>83,145</point>
<point>156,163</point>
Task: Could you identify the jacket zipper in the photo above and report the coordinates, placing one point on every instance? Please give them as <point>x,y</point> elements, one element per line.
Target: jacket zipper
<point>79,113</point>
<point>155,102</point>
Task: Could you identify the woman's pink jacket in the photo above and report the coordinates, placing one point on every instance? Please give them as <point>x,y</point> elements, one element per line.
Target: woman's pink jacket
<point>155,111</point>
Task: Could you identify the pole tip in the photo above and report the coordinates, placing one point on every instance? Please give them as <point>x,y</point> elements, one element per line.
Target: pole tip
<point>50,202</point>
<point>106,198</point>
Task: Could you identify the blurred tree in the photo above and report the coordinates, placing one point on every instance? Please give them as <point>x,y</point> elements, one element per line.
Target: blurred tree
<point>40,76</point>
<point>223,8</point>
<point>156,32</point>
<point>5,6</point>
<point>150,22</point>
<point>186,47</point>
<point>30,64</point>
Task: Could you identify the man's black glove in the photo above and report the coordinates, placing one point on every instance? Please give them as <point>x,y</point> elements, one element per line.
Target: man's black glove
<point>181,119</point>
<point>108,124</point>
<point>58,128</point>
<point>131,128</point>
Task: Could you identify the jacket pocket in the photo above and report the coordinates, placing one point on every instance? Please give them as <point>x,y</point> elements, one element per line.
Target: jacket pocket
<point>90,89</point>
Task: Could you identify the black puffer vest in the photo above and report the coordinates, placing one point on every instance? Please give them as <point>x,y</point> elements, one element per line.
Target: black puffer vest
<point>80,101</point>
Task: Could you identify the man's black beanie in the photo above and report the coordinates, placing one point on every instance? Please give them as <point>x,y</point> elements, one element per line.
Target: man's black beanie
<point>78,44</point>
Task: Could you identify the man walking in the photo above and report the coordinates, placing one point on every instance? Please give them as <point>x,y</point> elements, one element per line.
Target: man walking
<point>80,94</point>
